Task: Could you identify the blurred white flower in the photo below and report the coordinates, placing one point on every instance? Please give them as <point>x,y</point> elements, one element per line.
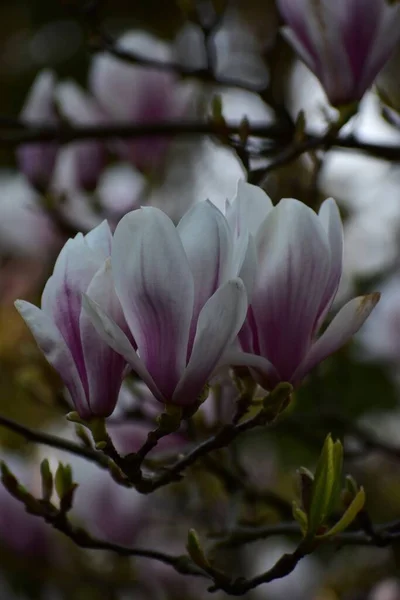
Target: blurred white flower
<point>380,336</point>
<point>25,229</point>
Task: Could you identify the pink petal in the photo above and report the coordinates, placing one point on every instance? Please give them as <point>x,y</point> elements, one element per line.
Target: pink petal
<point>386,39</point>
<point>113,335</point>
<point>294,260</point>
<point>346,323</point>
<point>315,33</point>
<point>104,366</point>
<point>219,323</point>
<point>37,161</point>
<point>62,295</point>
<point>155,287</point>
<point>56,351</point>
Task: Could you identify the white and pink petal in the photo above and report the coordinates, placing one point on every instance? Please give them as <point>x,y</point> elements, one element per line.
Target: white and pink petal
<point>155,286</point>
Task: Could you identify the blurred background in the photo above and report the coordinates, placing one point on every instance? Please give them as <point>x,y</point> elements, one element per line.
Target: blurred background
<point>230,62</point>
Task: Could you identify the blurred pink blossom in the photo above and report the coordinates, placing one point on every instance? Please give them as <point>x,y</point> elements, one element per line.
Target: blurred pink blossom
<point>345,43</point>
<point>20,531</point>
<point>37,160</point>
<point>138,94</point>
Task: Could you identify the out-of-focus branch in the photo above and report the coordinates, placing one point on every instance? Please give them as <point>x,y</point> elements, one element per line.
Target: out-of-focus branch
<point>20,133</point>
<point>283,567</point>
<point>58,519</point>
<point>281,136</point>
<point>378,535</point>
<point>103,42</point>
<point>251,494</point>
<point>181,563</point>
<point>54,441</point>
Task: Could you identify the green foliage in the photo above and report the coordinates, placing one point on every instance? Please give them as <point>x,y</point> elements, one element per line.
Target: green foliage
<point>321,494</point>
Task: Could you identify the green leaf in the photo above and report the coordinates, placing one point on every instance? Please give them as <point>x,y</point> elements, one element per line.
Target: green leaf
<point>323,484</point>
<point>337,476</point>
<point>47,480</point>
<point>195,550</point>
<point>301,518</point>
<point>59,480</point>
<point>348,517</point>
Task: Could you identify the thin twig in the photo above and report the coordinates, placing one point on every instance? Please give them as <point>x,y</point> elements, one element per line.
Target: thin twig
<point>380,535</point>
<point>106,44</point>
<point>55,442</point>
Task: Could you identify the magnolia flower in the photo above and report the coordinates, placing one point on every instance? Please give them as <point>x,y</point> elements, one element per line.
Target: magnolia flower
<point>88,158</point>
<point>126,92</point>
<point>344,42</point>
<point>90,369</point>
<point>36,161</point>
<point>180,297</point>
<point>299,256</point>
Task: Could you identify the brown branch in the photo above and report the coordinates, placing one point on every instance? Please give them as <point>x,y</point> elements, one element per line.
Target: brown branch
<point>223,438</point>
<point>32,134</point>
<point>378,535</point>
<point>105,43</point>
<point>280,135</point>
<point>55,442</point>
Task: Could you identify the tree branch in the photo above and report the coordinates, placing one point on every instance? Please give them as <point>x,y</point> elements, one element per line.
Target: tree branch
<point>379,535</point>
<point>24,133</point>
<point>223,438</point>
<point>282,136</point>
<point>105,43</point>
<point>56,442</point>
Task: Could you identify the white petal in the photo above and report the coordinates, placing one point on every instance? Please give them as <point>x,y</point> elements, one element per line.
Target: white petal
<point>39,105</point>
<point>218,325</point>
<point>330,218</point>
<point>207,240</point>
<point>118,341</point>
<point>76,105</point>
<point>100,239</point>
<point>236,358</point>
<point>244,262</point>
<point>56,351</point>
<point>346,323</point>
<point>155,286</point>
<point>249,208</point>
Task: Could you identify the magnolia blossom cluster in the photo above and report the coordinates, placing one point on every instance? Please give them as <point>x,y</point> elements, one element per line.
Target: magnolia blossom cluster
<point>176,304</point>
<point>117,93</point>
<point>345,43</point>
